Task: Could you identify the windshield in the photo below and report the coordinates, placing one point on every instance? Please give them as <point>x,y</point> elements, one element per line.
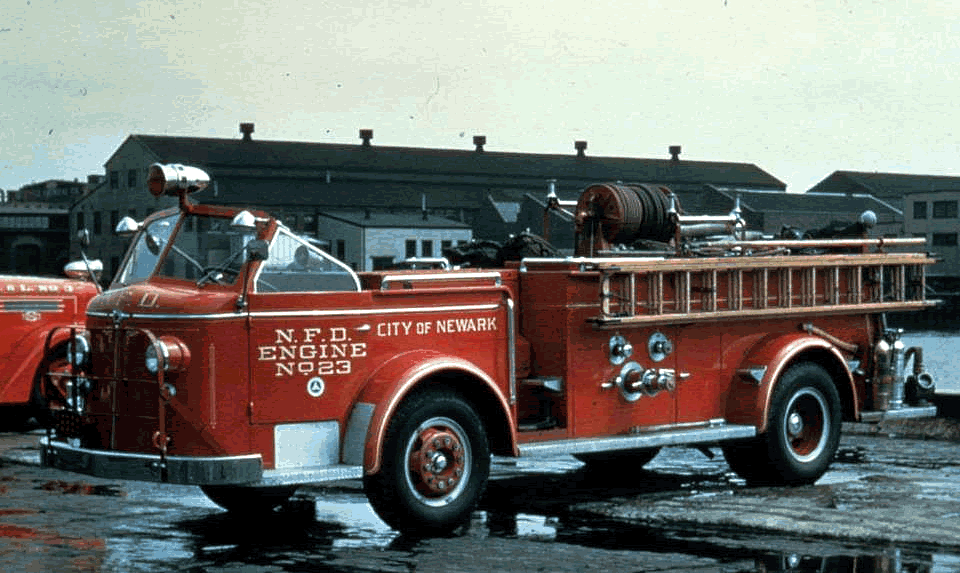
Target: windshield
<point>202,246</point>
<point>145,253</point>
<point>296,266</point>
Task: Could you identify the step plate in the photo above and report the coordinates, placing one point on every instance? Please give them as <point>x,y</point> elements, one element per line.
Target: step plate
<point>666,437</point>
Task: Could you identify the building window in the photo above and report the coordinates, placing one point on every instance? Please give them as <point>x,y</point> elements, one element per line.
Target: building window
<point>133,214</point>
<point>426,248</point>
<point>944,239</point>
<point>114,220</point>
<point>341,249</point>
<point>132,178</point>
<point>97,223</point>
<point>381,263</point>
<point>444,245</point>
<point>944,209</point>
<point>114,179</point>
<point>919,209</point>
<point>80,220</point>
<point>411,248</point>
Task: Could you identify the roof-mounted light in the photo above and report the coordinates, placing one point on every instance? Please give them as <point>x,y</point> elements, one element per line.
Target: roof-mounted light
<point>173,179</point>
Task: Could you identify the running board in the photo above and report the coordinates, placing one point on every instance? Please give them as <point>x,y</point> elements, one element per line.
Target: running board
<point>309,474</point>
<point>899,414</point>
<point>671,436</point>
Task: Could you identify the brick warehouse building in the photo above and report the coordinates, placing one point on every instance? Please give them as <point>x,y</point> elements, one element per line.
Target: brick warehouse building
<point>300,181</point>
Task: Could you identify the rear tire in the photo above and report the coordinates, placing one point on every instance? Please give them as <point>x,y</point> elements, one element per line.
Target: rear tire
<point>436,460</point>
<point>248,500</point>
<point>803,431</point>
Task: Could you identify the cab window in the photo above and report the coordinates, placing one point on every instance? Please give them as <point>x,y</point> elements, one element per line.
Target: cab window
<point>297,266</point>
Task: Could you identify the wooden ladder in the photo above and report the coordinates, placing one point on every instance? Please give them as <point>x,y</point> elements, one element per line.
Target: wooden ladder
<point>691,290</point>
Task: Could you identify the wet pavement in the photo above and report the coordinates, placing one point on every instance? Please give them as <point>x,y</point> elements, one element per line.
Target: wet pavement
<point>887,504</point>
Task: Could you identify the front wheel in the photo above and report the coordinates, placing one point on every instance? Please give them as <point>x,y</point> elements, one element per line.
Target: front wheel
<point>803,431</point>
<point>436,460</point>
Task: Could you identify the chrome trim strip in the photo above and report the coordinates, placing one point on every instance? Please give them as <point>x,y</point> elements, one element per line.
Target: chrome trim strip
<point>296,313</point>
<point>32,306</point>
<point>674,437</point>
<point>386,280</point>
<point>373,311</point>
<point>125,316</point>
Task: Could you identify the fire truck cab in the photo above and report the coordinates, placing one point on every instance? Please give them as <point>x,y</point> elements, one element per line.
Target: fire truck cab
<point>232,354</point>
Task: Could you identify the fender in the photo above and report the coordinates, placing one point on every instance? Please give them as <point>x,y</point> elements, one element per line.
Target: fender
<point>749,399</point>
<point>396,378</point>
<point>17,385</point>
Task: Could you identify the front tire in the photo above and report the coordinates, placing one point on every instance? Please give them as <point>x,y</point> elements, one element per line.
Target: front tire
<point>803,431</point>
<point>436,460</point>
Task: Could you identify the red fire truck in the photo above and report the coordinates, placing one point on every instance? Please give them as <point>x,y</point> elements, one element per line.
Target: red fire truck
<point>35,314</point>
<point>231,354</point>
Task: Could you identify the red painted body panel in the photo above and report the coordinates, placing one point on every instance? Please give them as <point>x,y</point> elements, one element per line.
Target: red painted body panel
<point>32,309</point>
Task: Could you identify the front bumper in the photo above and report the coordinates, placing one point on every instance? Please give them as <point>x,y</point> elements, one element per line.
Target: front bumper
<point>220,470</point>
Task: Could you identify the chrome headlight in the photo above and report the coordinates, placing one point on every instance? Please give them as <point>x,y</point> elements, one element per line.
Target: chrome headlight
<point>78,350</point>
<point>151,360</point>
<point>171,351</point>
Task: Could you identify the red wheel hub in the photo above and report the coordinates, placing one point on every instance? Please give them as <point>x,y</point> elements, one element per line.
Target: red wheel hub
<point>437,461</point>
<point>805,426</point>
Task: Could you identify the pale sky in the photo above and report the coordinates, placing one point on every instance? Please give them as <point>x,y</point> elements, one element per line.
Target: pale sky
<point>799,88</point>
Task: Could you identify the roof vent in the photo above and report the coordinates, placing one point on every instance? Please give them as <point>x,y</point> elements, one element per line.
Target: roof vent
<point>366,135</point>
<point>480,141</point>
<point>675,153</point>
<point>581,147</point>
<point>247,130</point>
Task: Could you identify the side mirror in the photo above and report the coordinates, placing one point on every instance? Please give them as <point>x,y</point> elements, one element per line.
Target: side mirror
<point>127,227</point>
<point>154,243</point>
<point>81,270</point>
<point>258,250</point>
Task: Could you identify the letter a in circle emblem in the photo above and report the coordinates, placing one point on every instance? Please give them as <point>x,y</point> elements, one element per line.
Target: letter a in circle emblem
<point>315,387</point>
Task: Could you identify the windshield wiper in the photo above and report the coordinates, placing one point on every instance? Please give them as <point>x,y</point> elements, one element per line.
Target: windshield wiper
<point>215,273</point>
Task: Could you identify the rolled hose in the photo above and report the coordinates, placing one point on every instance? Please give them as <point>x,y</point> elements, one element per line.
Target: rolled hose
<point>622,214</point>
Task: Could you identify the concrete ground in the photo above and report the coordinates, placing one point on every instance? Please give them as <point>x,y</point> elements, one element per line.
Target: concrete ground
<point>894,482</point>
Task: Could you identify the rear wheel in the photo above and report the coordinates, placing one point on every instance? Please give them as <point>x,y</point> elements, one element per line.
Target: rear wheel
<point>803,431</point>
<point>622,460</point>
<point>436,460</point>
<point>244,499</point>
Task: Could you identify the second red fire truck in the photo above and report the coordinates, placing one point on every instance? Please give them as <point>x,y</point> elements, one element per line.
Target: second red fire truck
<point>231,354</point>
